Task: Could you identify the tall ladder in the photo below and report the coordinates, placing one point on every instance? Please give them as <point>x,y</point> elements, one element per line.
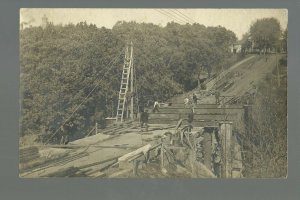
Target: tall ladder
<point>127,72</point>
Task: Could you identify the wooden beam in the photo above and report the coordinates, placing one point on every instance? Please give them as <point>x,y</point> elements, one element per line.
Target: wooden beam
<point>127,156</point>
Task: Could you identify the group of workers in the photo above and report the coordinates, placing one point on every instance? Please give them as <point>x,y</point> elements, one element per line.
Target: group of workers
<point>190,102</point>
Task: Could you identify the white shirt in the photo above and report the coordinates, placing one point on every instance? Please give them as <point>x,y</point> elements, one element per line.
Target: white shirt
<point>186,100</point>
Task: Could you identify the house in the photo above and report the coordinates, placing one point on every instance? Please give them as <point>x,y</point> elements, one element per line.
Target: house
<point>235,48</point>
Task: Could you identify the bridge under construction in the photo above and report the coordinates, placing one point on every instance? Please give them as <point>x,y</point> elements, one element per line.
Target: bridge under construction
<point>169,147</point>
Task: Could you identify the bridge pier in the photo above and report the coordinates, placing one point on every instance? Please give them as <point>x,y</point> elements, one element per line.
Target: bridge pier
<point>226,145</point>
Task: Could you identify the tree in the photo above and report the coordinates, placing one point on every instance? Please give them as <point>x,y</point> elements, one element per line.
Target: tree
<point>265,33</point>
<point>284,40</point>
<point>246,42</point>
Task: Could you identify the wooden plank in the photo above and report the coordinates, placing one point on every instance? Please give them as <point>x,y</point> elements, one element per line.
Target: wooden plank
<point>138,151</point>
<point>199,110</point>
<point>202,106</point>
<point>197,122</point>
<point>232,116</point>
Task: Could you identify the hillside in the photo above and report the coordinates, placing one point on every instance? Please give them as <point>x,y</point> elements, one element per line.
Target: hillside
<point>87,156</point>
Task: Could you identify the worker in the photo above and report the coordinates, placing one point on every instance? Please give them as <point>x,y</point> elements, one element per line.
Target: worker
<point>63,133</point>
<point>217,96</point>
<point>253,93</point>
<point>195,98</point>
<point>127,99</point>
<point>66,140</point>
<point>156,106</point>
<point>144,120</point>
<point>190,120</point>
<point>186,102</point>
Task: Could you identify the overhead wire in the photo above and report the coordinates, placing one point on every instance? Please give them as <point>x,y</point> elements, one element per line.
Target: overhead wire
<point>180,16</point>
<point>185,16</point>
<point>164,14</point>
<point>176,16</point>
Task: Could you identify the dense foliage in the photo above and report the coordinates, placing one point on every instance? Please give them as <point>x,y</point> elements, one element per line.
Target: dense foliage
<point>61,65</point>
<point>265,141</point>
<point>265,34</point>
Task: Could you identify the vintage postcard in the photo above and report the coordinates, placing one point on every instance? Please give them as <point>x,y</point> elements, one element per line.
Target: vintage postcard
<point>153,93</point>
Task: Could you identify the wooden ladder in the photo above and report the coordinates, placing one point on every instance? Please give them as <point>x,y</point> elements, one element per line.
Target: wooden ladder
<point>124,85</point>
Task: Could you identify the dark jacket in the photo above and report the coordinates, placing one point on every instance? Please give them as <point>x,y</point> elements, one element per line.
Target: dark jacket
<point>144,117</point>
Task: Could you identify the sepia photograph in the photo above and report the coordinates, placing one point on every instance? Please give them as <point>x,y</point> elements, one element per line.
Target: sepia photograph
<point>153,93</point>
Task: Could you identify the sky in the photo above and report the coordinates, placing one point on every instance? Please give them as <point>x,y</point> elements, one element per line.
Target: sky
<point>236,20</point>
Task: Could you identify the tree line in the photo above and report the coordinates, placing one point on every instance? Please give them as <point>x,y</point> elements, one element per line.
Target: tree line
<point>62,64</point>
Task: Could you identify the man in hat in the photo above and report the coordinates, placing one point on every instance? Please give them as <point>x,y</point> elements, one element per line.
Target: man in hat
<point>144,120</point>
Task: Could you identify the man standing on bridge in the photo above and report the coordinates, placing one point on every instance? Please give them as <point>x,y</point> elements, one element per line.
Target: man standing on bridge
<point>156,106</point>
<point>186,102</point>
<point>217,96</point>
<point>144,120</point>
<point>195,98</point>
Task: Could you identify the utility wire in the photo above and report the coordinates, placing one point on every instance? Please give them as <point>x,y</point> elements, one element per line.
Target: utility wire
<point>164,14</point>
<point>180,16</point>
<point>176,16</point>
<point>85,99</point>
<point>185,16</point>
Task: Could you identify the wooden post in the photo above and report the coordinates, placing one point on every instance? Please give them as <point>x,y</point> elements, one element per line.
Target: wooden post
<point>135,167</point>
<point>131,75</point>
<point>96,128</point>
<point>226,134</point>
<point>207,149</point>
<point>278,76</point>
<point>162,156</point>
